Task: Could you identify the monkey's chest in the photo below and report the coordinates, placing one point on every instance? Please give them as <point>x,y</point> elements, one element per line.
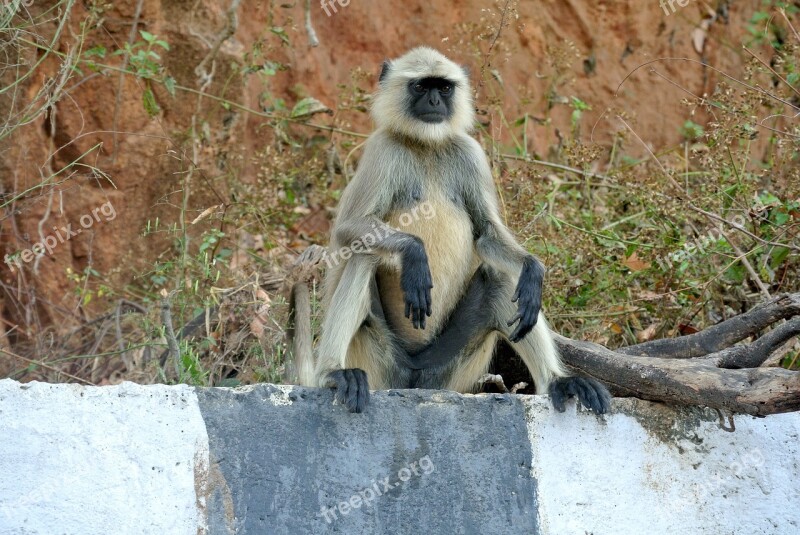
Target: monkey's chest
<point>446,230</point>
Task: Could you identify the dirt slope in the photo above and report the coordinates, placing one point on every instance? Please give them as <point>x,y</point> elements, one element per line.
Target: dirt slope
<point>609,39</point>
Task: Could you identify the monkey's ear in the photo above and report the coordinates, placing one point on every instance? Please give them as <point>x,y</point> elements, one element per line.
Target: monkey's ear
<point>384,71</point>
<point>466,70</point>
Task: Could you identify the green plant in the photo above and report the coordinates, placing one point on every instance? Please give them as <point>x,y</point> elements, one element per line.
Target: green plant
<point>144,62</point>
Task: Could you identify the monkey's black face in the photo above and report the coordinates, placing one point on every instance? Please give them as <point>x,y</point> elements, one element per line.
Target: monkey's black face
<point>431,99</point>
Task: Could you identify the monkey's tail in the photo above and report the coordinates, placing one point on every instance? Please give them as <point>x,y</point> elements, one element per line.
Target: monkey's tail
<point>540,354</point>
<point>300,367</point>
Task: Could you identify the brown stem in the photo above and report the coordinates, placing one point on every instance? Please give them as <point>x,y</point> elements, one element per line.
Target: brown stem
<point>722,335</point>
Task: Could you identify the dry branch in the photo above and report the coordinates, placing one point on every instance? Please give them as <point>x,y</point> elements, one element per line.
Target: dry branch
<point>759,351</point>
<point>756,391</point>
<point>722,335</point>
<point>704,368</point>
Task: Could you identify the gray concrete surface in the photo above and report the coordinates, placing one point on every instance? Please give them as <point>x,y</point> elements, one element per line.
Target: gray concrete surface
<point>298,465</point>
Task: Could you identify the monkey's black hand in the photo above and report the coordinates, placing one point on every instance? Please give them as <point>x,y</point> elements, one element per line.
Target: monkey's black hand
<point>352,389</point>
<point>416,283</point>
<point>528,297</point>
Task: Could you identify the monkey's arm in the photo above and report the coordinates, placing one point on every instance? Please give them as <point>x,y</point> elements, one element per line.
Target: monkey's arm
<point>497,248</point>
<point>360,229</point>
<point>371,236</point>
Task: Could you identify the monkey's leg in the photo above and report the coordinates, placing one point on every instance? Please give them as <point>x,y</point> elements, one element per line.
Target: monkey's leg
<point>537,350</point>
<point>347,311</point>
<point>376,350</point>
<point>415,274</point>
<point>460,355</point>
<point>531,338</point>
<point>461,326</point>
<point>473,364</point>
<point>539,353</point>
<point>351,301</point>
<point>472,332</point>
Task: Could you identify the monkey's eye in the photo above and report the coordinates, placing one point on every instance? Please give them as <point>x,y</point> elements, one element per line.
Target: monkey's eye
<point>419,88</point>
<point>446,89</point>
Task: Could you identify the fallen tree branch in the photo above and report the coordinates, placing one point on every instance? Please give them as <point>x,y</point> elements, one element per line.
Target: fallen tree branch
<point>755,354</point>
<point>722,335</point>
<point>726,378</point>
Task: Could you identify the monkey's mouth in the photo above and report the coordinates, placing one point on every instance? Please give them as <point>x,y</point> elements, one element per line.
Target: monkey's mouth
<point>432,117</point>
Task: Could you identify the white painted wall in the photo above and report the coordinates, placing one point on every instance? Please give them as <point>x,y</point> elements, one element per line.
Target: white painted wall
<point>641,470</point>
<point>86,460</point>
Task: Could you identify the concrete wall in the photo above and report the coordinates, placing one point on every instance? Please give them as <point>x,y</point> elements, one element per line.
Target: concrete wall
<point>273,459</point>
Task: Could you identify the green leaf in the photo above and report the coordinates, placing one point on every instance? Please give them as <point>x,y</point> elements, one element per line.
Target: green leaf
<point>169,84</point>
<point>579,105</point>
<point>280,32</point>
<point>99,51</point>
<point>149,101</point>
<point>223,254</point>
<point>779,254</point>
<point>780,217</point>
<point>691,130</point>
<point>207,243</point>
<point>307,107</point>
<point>766,197</point>
<point>147,36</point>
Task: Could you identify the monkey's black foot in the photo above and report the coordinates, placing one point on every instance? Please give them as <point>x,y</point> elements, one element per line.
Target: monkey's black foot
<point>591,394</point>
<point>352,389</point>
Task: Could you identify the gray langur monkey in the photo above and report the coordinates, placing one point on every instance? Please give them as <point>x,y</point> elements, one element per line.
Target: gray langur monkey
<point>422,302</point>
